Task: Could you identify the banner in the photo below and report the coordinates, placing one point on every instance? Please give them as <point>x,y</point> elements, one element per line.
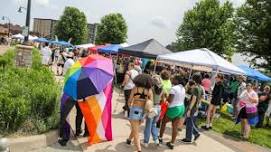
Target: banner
<point>97,111</point>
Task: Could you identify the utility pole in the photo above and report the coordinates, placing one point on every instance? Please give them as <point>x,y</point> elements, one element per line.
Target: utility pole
<point>27,21</point>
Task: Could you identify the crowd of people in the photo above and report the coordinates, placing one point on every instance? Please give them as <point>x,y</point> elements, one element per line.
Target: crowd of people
<point>173,94</point>
<point>62,57</point>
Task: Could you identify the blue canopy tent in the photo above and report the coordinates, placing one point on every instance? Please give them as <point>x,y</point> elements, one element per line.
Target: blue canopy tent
<point>62,43</point>
<point>254,73</point>
<point>110,49</point>
<point>41,40</point>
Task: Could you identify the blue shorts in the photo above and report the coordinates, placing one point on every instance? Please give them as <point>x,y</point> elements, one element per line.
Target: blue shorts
<point>136,113</point>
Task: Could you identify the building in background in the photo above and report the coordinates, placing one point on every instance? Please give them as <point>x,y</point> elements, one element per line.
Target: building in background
<point>3,31</point>
<point>14,29</point>
<point>92,29</point>
<point>45,28</point>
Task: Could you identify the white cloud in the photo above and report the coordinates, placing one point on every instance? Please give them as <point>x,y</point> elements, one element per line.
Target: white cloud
<point>236,3</point>
<point>42,2</point>
<point>160,22</point>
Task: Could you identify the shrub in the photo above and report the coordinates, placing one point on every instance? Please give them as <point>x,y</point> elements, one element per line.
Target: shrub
<point>29,98</point>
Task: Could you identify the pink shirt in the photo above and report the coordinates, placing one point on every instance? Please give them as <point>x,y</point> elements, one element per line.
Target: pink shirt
<point>206,83</point>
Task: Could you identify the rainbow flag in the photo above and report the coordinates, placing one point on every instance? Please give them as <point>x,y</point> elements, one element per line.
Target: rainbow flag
<point>97,111</point>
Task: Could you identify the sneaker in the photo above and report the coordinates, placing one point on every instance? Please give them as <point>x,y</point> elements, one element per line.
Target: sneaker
<point>62,142</point>
<point>170,145</point>
<point>196,137</point>
<point>160,140</point>
<point>78,133</point>
<point>128,142</point>
<point>146,145</point>
<point>205,127</point>
<point>186,141</point>
<point>85,134</point>
<point>157,142</point>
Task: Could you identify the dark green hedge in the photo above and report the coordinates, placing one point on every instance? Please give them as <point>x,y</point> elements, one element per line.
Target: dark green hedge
<point>29,98</point>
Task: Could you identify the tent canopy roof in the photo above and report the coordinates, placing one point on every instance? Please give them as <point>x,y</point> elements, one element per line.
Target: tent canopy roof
<point>200,57</point>
<point>254,73</point>
<point>110,49</point>
<point>147,49</point>
<point>85,46</point>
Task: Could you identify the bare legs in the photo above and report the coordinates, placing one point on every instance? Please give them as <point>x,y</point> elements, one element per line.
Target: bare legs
<point>135,133</point>
<point>163,126</point>
<point>210,115</point>
<point>245,128</point>
<point>175,124</point>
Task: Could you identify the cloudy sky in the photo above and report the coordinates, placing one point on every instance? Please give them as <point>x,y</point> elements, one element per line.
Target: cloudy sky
<point>146,19</point>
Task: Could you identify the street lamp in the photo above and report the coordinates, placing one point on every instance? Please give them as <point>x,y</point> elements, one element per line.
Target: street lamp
<point>20,9</point>
<point>5,17</point>
<point>27,20</point>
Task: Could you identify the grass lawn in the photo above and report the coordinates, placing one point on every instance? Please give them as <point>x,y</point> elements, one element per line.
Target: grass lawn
<point>225,125</point>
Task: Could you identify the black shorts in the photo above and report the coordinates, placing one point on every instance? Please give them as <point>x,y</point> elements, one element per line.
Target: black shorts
<point>215,102</point>
<point>243,113</point>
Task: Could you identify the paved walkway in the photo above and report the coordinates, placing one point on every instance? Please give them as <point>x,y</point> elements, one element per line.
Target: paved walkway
<point>121,128</point>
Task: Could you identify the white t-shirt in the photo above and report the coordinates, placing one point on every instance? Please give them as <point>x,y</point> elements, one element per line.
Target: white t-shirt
<point>245,99</point>
<point>179,95</point>
<point>241,89</point>
<point>46,55</point>
<point>130,84</point>
<point>67,65</point>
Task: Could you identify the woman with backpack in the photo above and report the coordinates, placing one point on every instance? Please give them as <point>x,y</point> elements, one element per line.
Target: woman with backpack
<point>128,84</point>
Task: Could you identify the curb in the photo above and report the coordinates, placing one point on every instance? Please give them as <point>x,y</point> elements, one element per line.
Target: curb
<point>25,144</point>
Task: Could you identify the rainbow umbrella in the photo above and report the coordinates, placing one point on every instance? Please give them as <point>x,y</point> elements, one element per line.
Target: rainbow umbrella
<point>88,76</point>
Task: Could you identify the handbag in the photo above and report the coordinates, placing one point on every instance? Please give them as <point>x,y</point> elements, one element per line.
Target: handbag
<point>250,108</point>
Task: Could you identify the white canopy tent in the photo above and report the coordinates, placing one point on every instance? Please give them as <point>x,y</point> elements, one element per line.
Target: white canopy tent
<point>18,36</point>
<point>200,59</point>
<point>85,46</point>
<point>31,38</point>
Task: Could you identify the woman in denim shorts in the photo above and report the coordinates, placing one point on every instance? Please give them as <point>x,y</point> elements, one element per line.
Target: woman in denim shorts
<point>140,94</point>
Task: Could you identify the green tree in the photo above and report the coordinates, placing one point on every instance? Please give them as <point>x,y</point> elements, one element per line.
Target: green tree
<point>253,31</point>
<point>208,25</point>
<point>113,29</point>
<point>72,24</point>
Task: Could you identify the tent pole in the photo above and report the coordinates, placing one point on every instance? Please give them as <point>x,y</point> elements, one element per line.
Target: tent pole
<point>190,74</point>
<point>213,78</point>
<point>154,70</point>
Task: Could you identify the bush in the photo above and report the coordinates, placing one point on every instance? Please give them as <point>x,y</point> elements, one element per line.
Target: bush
<point>29,98</point>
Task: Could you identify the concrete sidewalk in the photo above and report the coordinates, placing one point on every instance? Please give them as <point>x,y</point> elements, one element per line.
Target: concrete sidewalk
<point>121,130</point>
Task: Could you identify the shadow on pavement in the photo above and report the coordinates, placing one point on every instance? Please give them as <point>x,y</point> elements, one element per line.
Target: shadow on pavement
<point>69,147</point>
<point>236,135</point>
<point>120,147</point>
